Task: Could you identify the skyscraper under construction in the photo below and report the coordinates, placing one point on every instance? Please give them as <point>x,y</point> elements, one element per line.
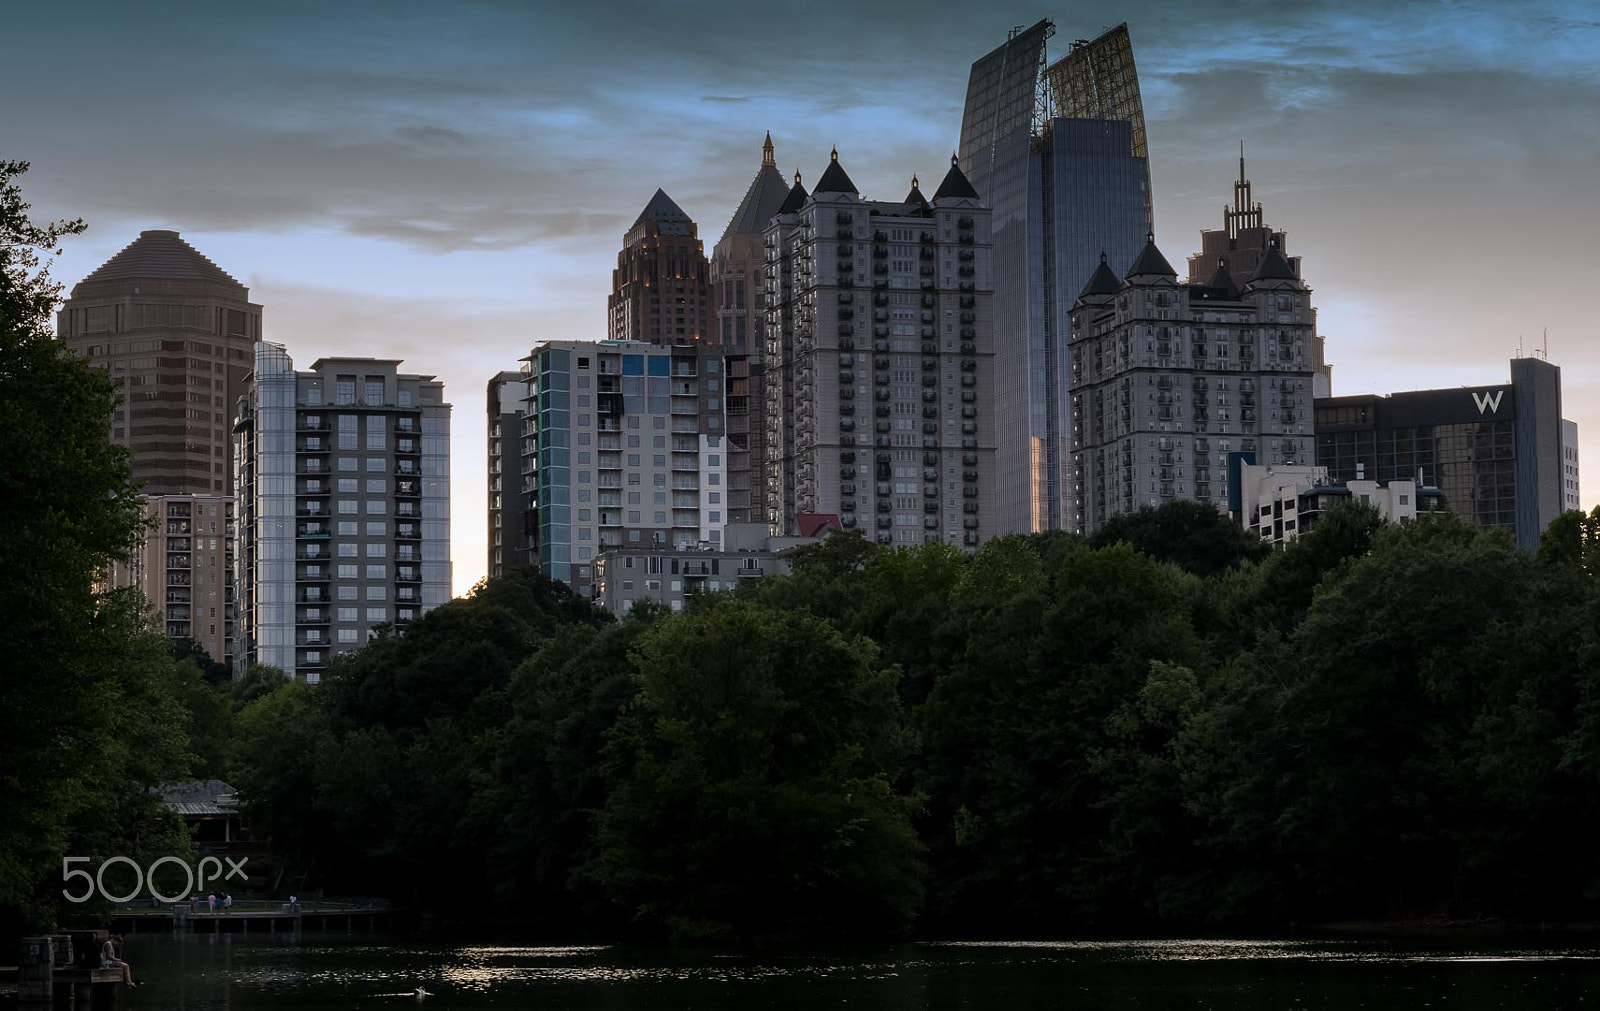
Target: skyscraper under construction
<point>1058,151</point>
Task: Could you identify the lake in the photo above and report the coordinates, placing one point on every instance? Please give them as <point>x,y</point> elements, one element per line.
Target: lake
<point>247,971</point>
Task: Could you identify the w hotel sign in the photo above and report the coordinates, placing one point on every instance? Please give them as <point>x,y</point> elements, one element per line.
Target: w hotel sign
<point>1461,406</point>
<point>1488,401</point>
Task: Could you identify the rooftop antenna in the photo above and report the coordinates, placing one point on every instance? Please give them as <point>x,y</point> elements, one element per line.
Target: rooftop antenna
<point>1546,343</point>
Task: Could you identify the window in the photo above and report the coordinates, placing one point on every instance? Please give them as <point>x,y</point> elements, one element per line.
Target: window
<point>376,486</point>
<point>348,550</point>
<point>377,550</point>
<point>377,593</point>
<point>347,592</point>
<point>377,614</point>
<point>347,505</point>
<point>347,635</point>
<point>348,571</point>
<point>349,485</point>
<point>376,437</point>
<point>349,463</point>
<point>377,464</point>
<point>345,390</point>
<point>372,390</point>
<point>348,613</point>
<point>377,507</point>
<point>377,528</point>
<point>347,528</point>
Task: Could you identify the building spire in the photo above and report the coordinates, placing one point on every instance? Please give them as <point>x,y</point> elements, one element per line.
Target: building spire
<point>766,152</point>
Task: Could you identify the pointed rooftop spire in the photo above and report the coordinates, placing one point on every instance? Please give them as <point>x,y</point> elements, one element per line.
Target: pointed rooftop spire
<point>834,179</point>
<point>661,208</point>
<point>915,197</point>
<point>954,185</point>
<point>1150,261</point>
<point>762,200</point>
<point>1274,266</point>
<point>1103,281</point>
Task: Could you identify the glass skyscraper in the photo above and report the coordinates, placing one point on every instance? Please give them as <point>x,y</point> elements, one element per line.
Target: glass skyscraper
<point>1058,153</point>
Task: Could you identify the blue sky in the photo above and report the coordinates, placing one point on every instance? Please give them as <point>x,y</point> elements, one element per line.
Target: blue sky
<point>449,183</point>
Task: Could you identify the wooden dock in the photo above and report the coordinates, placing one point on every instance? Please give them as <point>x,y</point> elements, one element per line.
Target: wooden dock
<point>259,918</point>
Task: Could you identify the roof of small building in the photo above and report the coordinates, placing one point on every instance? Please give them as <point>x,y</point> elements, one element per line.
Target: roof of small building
<point>812,524</point>
<point>199,797</point>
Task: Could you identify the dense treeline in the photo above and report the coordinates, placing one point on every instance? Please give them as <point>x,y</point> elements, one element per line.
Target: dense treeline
<point>97,707</point>
<point>1377,722</point>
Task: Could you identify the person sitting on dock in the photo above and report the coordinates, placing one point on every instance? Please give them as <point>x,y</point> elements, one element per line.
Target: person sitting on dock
<point>109,959</point>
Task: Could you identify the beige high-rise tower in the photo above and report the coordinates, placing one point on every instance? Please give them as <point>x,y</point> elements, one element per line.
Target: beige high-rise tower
<point>738,307</point>
<point>176,332</point>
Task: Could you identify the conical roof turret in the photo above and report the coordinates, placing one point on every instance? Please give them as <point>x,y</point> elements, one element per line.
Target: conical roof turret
<point>835,179</point>
<point>796,198</point>
<point>954,185</point>
<point>1274,266</point>
<point>1150,262</point>
<point>1104,280</point>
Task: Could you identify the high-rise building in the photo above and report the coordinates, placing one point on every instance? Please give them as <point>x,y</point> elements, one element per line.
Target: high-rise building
<point>627,450</point>
<point>1059,153</point>
<point>1170,379</point>
<point>1495,451</point>
<point>1240,245</point>
<point>343,506</point>
<point>176,332</point>
<point>879,377</point>
<point>184,567</point>
<point>661,289</point>
<point>739,307</point>
<point>1569,466</point>
<point>511,534</point>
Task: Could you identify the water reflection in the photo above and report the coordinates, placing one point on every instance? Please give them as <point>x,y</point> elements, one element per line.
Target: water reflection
<point>246,972</point>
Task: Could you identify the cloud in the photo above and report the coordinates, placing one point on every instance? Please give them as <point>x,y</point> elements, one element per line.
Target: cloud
<point>728,99</point>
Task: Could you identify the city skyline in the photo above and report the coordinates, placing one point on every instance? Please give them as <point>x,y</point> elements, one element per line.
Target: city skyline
<point>456,204</point>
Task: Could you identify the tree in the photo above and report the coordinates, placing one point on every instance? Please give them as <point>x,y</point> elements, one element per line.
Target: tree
<point>68,506</point>
<point>1196,537</point>
<point>750,783</point>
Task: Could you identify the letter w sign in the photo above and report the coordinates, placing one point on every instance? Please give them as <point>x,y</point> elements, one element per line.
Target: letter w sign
<point>1488,400</point>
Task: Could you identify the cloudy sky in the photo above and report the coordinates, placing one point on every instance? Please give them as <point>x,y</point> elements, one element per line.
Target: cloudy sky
<point>449,182</point>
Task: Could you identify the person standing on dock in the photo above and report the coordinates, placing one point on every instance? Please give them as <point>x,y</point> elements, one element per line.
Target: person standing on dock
<point>227,902</point>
